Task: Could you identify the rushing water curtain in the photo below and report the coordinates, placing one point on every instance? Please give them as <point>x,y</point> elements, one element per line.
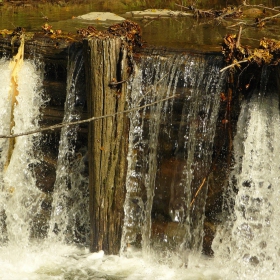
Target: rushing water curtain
<point>179,131</point>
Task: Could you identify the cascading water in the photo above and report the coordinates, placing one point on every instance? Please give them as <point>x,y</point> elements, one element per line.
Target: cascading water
<point>25,251</point>
<point>187,122</point>
<point>55,255</point>
<point>175,133</point>
<point>248,242</point>
<point>142,170</point>
<point>70,214</point>
<point>20,198</point>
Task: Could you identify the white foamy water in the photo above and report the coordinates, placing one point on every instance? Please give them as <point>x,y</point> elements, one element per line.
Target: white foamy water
<point>20,198</point>
<point>45,261</point>
<point>249,242</point>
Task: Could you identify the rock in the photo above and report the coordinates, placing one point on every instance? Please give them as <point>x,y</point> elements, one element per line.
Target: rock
<point>100,16</point>
<point>156,13</point>
<point>167,190</point>
<point>45,174</point>
<point>253,12</point>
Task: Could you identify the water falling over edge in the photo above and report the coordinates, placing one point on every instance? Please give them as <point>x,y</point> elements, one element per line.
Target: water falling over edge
<point>179,130</point>
<point>248,239</point>
<point>69,221</point>
<point>45,259</point>
<point>50,258</point>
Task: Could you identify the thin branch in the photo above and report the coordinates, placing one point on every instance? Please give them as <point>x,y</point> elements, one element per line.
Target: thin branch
<point>114,84</point>
<point>58,126</point>
<point>268,18</point>
<point>238,24</point>
<point>239,37</point>
<point>199,189</point>
<point>240,74</point>
<point>149,22</point>
<point>233,64</point>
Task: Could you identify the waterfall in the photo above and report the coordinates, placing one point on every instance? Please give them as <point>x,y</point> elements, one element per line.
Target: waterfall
<point>20,198</point>
<point>184,123</point>
<point>169,157</point>
<point>70,217</point>
<point>248,242</point>
<point>142,171</point>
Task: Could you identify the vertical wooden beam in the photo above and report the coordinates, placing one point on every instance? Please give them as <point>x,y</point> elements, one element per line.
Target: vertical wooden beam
<point>106,61</point>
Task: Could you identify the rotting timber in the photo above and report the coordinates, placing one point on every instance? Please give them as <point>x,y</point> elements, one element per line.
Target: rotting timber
<point>107,141</point>
<point>107,70</point>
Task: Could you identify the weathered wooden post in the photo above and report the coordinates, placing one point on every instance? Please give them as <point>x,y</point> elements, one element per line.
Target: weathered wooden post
<point>106,70</point>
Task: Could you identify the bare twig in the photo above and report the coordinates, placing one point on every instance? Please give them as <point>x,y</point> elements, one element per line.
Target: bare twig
<point>265,19</point>
<point>199,189</point>
<point>238,24</point>
<point>114,84</point>
<point>239,37</point>
<point>149,22</point>
<point>233,64</point>
<point>260,20</point>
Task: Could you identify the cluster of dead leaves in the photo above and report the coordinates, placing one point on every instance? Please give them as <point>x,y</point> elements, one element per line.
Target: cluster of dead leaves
<point>267,53</point>
<point>47,28</point>
<point>272,45</point>
<point>127,29</point>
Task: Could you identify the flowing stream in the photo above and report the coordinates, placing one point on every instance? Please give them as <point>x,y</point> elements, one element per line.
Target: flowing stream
<point>179,129</point>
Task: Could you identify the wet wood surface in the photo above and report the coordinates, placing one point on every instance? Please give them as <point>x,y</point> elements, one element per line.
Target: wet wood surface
<point>107,141</point>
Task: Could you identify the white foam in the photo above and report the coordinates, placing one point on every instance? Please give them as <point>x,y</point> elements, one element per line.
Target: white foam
<point>56,261</point>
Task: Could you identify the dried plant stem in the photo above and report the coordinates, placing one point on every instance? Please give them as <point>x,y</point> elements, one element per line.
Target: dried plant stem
<point>199,189</point>
<point>233,64</point>
<point>239,37</point>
